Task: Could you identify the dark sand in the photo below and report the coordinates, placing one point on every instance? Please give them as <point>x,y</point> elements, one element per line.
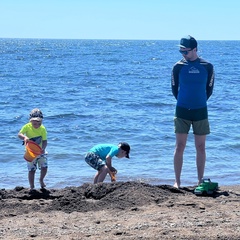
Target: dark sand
<point>121,210</point>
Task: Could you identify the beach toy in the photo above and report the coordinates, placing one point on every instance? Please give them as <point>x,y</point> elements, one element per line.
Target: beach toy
<point>33,150</point>
<point>113,176</point>
<point>206,187</point>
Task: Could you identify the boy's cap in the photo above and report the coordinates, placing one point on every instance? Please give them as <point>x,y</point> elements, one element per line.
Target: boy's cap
<point>36,115</point>
<point>188,42</point>
<point>125,146</point>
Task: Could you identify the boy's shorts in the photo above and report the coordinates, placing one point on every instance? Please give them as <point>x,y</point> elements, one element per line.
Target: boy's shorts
<point>40,162</point>
<point>94,161</point>
<point>199,127</point>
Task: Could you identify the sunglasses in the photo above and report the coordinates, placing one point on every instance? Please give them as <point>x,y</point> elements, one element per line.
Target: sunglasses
<point>185,52</point>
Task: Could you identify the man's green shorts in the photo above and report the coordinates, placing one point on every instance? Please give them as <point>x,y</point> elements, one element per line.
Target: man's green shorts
<point>199,127</point>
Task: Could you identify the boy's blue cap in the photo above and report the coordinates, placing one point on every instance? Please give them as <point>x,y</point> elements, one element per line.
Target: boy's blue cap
<point>125,146</point>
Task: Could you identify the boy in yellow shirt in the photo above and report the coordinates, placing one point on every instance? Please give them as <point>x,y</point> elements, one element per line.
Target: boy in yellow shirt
<point>35,131</point>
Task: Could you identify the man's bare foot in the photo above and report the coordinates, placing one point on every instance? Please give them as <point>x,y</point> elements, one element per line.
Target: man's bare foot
<point>176,185</point>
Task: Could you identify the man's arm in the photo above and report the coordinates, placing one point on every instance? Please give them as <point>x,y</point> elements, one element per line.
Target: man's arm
<point>210,82</point>
<point>175,80</point>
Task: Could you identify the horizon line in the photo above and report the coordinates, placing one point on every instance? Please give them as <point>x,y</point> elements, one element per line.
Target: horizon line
<point>114,39</point>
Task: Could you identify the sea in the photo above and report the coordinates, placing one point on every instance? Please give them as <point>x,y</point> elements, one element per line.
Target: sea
<point>108,91</point>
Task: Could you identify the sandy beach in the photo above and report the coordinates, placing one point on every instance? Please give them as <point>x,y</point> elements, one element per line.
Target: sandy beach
<point>121,210</point>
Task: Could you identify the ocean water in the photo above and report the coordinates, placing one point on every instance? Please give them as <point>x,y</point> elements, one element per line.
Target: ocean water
<point>107,91</point>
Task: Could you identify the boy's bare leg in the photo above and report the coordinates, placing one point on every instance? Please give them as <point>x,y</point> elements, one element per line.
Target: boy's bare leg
<point>42,176</point>
<point>101,174</point>
<point>31,175</point>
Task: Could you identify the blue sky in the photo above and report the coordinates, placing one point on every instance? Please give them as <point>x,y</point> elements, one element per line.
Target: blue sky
<point>120,19</point>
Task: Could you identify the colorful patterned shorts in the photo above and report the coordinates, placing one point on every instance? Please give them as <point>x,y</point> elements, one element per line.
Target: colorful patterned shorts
<point>38,162</point>
<point>94,161</point>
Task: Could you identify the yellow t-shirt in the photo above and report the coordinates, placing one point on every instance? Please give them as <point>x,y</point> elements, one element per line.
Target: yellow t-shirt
<point>35,134</point>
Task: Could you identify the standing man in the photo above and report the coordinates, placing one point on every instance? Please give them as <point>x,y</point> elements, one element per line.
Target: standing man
<point>192,85</point>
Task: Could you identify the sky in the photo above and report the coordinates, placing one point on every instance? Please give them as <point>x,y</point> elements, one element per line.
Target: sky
<point>120,19</point>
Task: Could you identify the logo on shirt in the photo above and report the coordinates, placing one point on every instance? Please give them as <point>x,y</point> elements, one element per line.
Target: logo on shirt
<point>37,140</point>
<point>193,70</point>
